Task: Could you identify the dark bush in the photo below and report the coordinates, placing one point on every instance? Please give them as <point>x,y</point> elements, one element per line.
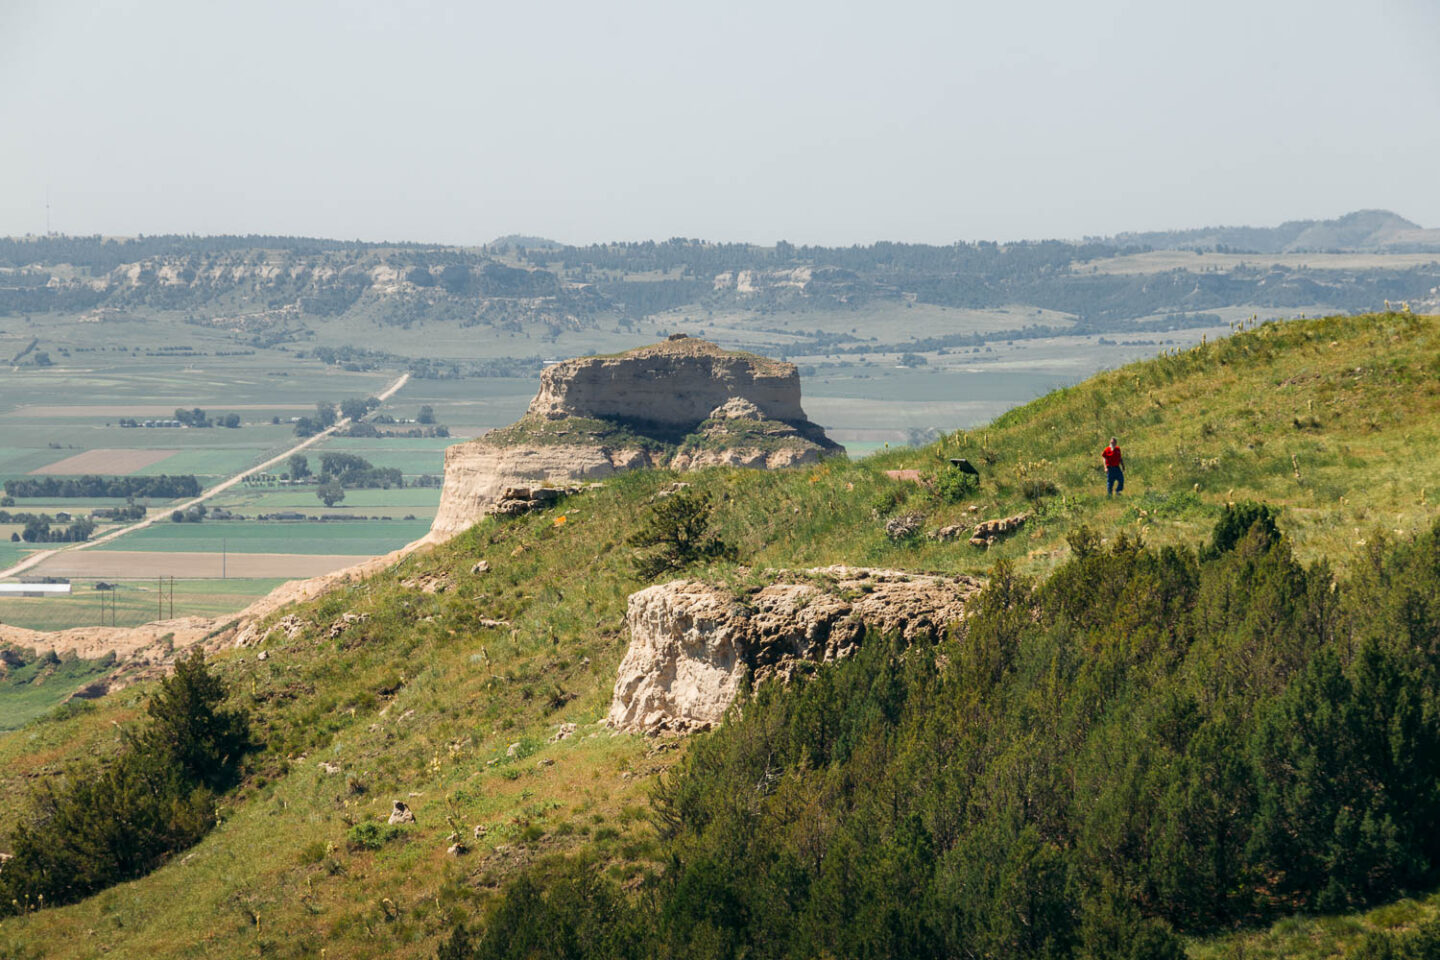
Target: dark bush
<point>676,534</point>
<point>97,826</point>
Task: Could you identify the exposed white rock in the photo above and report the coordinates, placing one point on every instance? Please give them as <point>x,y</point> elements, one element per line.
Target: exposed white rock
<point>692,643</point>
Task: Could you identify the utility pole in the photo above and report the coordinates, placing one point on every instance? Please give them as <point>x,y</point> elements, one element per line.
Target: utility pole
<point>172,596</point>
<point>159,598</point>
<point>222,558</point>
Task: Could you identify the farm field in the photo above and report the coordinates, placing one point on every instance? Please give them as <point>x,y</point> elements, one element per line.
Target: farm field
<point>136,601</point>
<point>105,461</point>
<point>415,502</point>
<point>111,565</point>
<point>367,538</point>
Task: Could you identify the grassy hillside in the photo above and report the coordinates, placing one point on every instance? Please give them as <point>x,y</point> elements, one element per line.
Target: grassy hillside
<point>425,699</point>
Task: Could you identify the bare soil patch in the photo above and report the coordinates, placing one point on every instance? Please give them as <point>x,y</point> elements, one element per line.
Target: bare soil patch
<point>107,462</point>
<point>130,564</point>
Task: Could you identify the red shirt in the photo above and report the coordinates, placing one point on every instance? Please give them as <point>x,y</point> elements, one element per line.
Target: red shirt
<point>1112,457</point>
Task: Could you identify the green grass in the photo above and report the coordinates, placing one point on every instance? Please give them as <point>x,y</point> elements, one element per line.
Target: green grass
<point>367,537</point>
<point>1317,937</point>
<point>417,700</point>
<point>37,688</point>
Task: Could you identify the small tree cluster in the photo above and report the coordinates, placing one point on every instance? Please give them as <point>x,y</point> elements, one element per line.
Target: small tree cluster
<point>95,827</point>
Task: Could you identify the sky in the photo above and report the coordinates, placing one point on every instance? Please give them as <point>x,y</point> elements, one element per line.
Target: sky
<point>832,122</point>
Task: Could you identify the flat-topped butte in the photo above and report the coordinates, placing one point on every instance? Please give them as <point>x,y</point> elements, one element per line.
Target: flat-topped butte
<point>683,403</point>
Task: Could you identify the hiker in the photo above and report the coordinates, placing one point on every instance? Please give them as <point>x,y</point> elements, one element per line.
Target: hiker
<point>1114,468</point>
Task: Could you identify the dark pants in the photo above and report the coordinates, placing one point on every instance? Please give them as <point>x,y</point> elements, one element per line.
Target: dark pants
<point>1114,480</point>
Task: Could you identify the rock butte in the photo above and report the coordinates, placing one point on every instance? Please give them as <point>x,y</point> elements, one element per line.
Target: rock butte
<point>684,403</point>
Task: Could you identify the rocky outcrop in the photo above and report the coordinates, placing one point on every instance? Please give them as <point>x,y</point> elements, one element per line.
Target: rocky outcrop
<point>990,532</point>
<point>684,403</point>
<point>478,473</point>
<point>692,643</point>
<point>677,382</point>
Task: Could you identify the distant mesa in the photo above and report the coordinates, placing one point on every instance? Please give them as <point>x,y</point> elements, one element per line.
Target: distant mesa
<point>1362,231</point>
<point>683,403</point>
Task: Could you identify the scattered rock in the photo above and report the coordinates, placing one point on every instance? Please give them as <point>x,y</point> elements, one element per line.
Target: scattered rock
<point>401,813</point>
<point>481,566</point>
<point>457,849</point>
<point>513,750</point>
<point>327,768</point>
<point>990,532</point>
<point>544,762</point>
<point>565,732</point>
<point>429,583</point>
<point>290,625</point>
<point>480,830</point>
<point>487,622</point>
<point>953,532</point>
<point>263,655</point>
<point>904,526</point>
<point>345,621</point>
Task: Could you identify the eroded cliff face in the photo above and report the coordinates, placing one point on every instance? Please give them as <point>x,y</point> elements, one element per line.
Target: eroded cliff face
<point>478,472</point>
<point>692,643</point>
<point>678,383</point>
<point>683,404</point>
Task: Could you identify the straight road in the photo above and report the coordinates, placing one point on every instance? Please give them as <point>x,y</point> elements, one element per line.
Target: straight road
<point>221,487</point>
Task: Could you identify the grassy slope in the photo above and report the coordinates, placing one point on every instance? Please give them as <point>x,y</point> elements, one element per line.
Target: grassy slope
<point>420,702</point>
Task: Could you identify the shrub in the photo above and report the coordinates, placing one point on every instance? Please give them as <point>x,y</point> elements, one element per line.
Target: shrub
<point>1237,520</point>
<point>955,486</point>
<point>371,835</point>
<point>677,534</point>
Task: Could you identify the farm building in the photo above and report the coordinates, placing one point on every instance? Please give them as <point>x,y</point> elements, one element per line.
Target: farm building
<point>34,589</point>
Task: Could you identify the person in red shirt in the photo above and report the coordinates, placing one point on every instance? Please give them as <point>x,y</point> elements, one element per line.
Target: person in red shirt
<point>1114,468</point>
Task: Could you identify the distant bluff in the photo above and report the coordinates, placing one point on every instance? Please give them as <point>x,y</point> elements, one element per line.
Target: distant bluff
<point>683,403</point>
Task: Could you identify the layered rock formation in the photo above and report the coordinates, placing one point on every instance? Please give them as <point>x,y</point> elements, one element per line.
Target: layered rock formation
<point>692,643</point>
<point>683,403</point>
<point>678,382</point>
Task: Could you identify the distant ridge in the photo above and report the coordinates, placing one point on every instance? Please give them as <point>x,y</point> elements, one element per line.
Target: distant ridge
<point>528,242</point>
<point>1363,231</point>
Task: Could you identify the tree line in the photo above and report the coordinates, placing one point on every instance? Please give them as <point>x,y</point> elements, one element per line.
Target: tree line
<point>162,487</point>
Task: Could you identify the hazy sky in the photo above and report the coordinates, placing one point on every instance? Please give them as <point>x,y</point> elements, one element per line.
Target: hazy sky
<point>824,122</point>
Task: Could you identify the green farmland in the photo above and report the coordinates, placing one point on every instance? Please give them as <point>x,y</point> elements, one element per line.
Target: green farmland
<point>362,538</point>
<point>132,603</point>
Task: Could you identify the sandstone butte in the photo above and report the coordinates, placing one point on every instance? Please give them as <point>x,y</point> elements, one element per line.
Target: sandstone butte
<point>683,403</point>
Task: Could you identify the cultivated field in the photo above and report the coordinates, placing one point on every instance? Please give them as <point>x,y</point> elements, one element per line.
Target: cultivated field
<point>106,461</point>
<point>134,601</point>
<point>297,537</point>
<point>121,564</point>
